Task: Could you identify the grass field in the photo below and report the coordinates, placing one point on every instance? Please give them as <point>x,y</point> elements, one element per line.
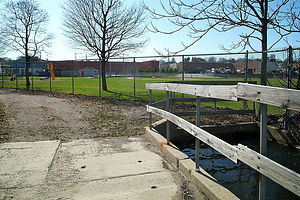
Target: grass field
<point>119,87</point>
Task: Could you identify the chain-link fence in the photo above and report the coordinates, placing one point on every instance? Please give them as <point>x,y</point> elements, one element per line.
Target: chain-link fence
<point>126,76</point>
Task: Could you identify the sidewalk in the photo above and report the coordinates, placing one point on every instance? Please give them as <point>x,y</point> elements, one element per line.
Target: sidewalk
<point>104,168</point>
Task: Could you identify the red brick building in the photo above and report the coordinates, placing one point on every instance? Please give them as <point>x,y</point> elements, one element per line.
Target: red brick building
<point>111,67</point>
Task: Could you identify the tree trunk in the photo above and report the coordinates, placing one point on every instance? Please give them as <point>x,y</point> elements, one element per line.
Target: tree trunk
<point>264,33</point>
<point>104,85</point>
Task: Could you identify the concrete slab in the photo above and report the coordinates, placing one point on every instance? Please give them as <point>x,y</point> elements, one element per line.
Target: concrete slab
<point>104,168</point>
<point>25,164</point>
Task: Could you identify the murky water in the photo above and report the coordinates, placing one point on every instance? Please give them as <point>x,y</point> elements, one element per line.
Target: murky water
<point>241,179</point>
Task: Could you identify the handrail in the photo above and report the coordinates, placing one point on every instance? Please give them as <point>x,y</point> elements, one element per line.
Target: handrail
<point>285,98</point>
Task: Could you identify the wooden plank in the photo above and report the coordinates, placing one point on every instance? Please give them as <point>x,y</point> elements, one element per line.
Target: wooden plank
<point>218,92</point>
<point>279,97</point>
<point>276,172</point>
<point>219,112</point>
<point>223,147</point>
<point>194,100</point>
<point>212,82</point>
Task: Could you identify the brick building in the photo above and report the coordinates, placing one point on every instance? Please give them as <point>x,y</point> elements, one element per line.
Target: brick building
<point>111,67</point>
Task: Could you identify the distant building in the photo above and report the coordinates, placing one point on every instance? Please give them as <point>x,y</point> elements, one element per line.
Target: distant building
<point>88,72</point>
<point>255,67</point>
<point>37,66</point>
<point>203,66</point>
<point>86,68</point>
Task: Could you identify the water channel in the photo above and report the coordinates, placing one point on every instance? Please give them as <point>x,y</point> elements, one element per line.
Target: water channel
<point>241,179</point>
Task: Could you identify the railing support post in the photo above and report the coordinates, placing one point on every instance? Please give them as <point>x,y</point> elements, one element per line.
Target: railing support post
<point>168,122</point>
<point>263,146</point>
<point>197,145</point>
<point>150,103</point>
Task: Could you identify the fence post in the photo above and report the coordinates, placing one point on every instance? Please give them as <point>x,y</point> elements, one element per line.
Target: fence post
<point>183,68</point>
<point>16,77</point>
<point>197,143</point>
<point>150,104</point>
<point>49,68</point>
<point>288,85</point>
<point>168,122</point>
<point>73,76</point>
<point>246,66</point>
<point>2,75</point>
<point>32,78</point>
<point>99,77</point>
<point>174,101</point>
<point>134,78</point>
<point>246,73</point>
<point>263,145</point>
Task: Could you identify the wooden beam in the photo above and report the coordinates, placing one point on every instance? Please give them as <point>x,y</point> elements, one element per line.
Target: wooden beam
<point>223,147</point>
<point>275,96</point>
<point>276,172</point>
<point>219,112</point>
<point>211,91</point>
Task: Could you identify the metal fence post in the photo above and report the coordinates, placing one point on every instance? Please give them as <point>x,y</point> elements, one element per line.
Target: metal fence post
<point>134,78</point>
<point>16,77</point>
<point>263,145</point>
<point>2,76</point>
<point>288,85</point>
<point>174,106</point>
<point>246,73</point>
<point>246,66</point>
<point>150,104</point>
<point>73,76</point>
<point>49,68</point>
<point>168,122</point>
<point>32,78</point>
<point>197,144</point>
<point>183,68</point>
<point>99,77</point>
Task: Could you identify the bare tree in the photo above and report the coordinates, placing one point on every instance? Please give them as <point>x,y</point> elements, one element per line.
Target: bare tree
<point>257,16</point>
<point>105,28</point>
<point>24,30</point>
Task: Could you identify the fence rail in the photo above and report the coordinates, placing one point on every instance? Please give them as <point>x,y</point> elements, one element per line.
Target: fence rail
<point>285,98</point>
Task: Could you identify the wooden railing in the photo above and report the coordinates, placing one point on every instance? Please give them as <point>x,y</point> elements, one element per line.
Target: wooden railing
<point>280,97</point>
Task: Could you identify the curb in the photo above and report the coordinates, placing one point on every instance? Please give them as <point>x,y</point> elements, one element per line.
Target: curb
<point>206,183</point>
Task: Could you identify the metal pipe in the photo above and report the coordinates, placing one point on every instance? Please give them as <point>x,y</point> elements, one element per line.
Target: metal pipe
<point>2,75</point>
<point>168,122</point>
<point>150,103</point>
<point>99,77</point>
<point>263,145</point>
<point>16,77</point>
<point>134,77</point>
<point>197,144</point>
<point>32,78</point>
<point>73,76</point>
<point>288,85</point>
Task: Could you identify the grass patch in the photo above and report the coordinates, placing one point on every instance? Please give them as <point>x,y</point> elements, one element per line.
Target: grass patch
<point>123,88</point>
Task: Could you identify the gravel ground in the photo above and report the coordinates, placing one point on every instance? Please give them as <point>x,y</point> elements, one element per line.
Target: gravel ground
<point>53,116</point>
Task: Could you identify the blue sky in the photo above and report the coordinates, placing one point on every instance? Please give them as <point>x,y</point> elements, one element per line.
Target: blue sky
<point>209,44</point>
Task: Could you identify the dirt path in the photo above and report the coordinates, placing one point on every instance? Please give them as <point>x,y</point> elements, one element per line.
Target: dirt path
<point>40,117</point>
<point>26,118</point>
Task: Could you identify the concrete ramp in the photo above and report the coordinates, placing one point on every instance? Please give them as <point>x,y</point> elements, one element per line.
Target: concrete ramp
<point>25,164</point>
<point>104,168</point>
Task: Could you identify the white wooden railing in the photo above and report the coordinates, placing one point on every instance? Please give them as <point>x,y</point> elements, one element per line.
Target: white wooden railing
<point>265,95</point>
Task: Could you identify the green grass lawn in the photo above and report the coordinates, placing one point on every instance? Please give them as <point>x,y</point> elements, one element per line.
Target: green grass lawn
<point>118,87</point>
